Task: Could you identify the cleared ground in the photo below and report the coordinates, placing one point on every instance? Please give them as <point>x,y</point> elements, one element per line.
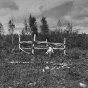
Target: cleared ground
<point>40,71</point>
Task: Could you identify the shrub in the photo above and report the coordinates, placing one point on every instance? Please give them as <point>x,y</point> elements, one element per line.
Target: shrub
<point>74,53</point>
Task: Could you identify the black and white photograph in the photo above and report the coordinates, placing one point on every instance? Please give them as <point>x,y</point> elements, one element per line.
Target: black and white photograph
<point>43,43</point>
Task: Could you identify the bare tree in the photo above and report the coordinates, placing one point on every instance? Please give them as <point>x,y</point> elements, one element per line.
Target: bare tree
<point>59,24</point>
<point>25,29</point>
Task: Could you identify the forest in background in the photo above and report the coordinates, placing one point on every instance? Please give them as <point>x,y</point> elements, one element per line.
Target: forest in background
<point>73,38</point>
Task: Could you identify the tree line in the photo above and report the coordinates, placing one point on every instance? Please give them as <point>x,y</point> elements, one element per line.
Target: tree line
<point>74,39</point>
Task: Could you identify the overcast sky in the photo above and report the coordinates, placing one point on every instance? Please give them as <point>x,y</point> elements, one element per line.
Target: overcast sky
<point>74,11</point>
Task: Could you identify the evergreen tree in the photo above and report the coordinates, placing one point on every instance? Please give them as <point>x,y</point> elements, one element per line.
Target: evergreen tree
<point>1,29</point>
<point>33,25</point>
<point>44,26</point>
<point>11,29</point>
<point>69,27</point>
<point>1,36</point>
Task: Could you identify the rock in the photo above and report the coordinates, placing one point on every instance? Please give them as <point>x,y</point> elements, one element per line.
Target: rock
<point>43,70</point>
<point>10,87</point>
<point>82,85</point>
<point>47,67</point>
